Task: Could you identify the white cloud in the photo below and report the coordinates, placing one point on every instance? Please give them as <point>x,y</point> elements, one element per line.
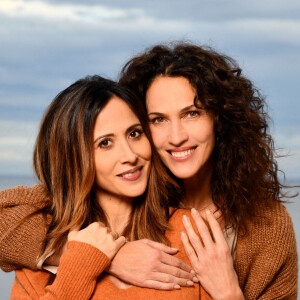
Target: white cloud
<point>46,45</point>
<point>87,15</point>
<point>21,8</point>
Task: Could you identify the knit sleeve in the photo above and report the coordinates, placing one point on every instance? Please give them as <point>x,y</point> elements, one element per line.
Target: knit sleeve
<point>23,226</point>
<point>76,278</point>
<point>266,262</point>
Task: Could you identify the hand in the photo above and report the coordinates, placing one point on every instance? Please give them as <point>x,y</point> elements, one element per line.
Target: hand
<point>211,258</point>
<point>99,236</point>
<point>150,264</point>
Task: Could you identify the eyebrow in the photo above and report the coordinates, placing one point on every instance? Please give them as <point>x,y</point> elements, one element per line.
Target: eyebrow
<point>102,136</point>
<point>111,134</point>
<point>183,110</point>
<point>133,126</point>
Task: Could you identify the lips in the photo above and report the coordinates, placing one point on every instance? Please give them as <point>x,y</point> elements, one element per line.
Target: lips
<point>132,174</point>
<point>181,154</point>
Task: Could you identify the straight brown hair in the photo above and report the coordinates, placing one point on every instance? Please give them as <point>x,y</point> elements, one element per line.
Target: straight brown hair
<point>64,163</point>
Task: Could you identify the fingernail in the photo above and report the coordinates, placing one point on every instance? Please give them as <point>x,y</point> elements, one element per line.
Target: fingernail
<point>174,249</point>
<point>186,219</point>
<point>190,283</point>
<point>177,286</point>
<point>207,212</point>
<point>194,211</point>
<point>195,279</point>
<point>182,234</point>
<point>193,272</point>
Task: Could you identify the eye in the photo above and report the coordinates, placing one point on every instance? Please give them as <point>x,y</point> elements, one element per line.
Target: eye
<point>157,120</point>
<point>104,144</point>
<point>135,133</point>
<point>192,114</point>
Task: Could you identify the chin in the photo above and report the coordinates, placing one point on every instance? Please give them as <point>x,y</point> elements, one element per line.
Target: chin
<point>183,174</point>
<point>135,192</point>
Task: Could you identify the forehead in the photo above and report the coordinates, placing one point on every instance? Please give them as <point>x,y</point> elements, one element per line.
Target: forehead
<point>115,117</point>
<point>169,93</point>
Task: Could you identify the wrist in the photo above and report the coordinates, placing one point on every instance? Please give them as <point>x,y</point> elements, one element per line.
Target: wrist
<point>239,294</point>
<point>235,293</point>
<point>114,267</point>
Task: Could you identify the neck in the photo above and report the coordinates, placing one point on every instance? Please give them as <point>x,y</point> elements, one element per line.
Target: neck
<point>116,208</point>
<point>197,189</point>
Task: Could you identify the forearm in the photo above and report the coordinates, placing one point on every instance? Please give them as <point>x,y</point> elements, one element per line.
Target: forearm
<point>23,227</point>
<point>77,274</point>
<point>76,278</point>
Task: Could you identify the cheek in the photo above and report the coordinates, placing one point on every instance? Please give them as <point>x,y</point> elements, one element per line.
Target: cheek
<point>203,131</point>
<point>208,134</point>
<point>103,165</point>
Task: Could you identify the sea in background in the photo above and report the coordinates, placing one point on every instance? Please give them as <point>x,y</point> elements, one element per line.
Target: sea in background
<point>6,279</point>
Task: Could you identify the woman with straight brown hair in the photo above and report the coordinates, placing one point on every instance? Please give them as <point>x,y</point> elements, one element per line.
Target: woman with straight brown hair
<point>104,183</point>
<point>210,127</point>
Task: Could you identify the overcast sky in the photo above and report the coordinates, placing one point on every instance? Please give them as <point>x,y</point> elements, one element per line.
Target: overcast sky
<point>47,45</point>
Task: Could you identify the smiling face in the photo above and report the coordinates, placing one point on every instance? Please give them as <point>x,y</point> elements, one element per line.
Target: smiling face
<point>122,151</point>
<point>182,133</point>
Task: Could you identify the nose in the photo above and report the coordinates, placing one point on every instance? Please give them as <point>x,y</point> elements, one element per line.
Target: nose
<point>127,154</point>
<point>177,134</point>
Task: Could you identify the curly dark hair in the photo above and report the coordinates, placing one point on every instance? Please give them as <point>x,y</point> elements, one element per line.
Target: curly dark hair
<point>245,172</point>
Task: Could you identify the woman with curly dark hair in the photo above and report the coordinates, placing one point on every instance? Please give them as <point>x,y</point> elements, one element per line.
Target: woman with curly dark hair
<point>210,127</point>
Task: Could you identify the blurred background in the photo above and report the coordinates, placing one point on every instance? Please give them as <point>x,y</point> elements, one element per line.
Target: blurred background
<point>47,45</point>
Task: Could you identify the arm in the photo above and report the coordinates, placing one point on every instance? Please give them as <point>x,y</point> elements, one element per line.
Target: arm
<point>89,252</point>
<point>142,263</point>
<point>149,264</point>
<point>266,258</point>
<point>23,226</point>
<point>210,257</point>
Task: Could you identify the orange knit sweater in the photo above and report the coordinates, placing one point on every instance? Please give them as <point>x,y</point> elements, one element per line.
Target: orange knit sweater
<point>80,276</point>
<point>266,259</point>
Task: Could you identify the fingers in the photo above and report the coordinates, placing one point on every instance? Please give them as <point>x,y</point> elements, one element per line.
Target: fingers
<point>157,285</point>
<point>176,263</point>
<point>115,235</point>
<point>160,246</point>
<point>215,228</point>
<point>189,250</point>
<point>192,236</point>
<point>121,241</point>
<point>202,229</point>
<point>167,278</point>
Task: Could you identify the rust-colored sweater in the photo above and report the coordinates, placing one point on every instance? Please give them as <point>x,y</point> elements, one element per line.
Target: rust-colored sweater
<point>81,275</point>
<point>266,259</point>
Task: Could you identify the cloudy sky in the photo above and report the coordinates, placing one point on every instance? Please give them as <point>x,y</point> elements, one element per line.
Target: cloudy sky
<point>46,45</point>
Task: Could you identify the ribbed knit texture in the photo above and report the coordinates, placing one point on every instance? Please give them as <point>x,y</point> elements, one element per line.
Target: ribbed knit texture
<point>266,259</point>
<point>24,244</point>
<point>78,276</point>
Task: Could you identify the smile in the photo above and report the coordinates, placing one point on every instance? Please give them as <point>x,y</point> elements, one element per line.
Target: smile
<point>132,174</point>
<point>181,155</point>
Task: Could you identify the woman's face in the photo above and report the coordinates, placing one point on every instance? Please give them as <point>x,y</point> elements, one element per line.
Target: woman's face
<point>182,133</point>
<point>122,151</point>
